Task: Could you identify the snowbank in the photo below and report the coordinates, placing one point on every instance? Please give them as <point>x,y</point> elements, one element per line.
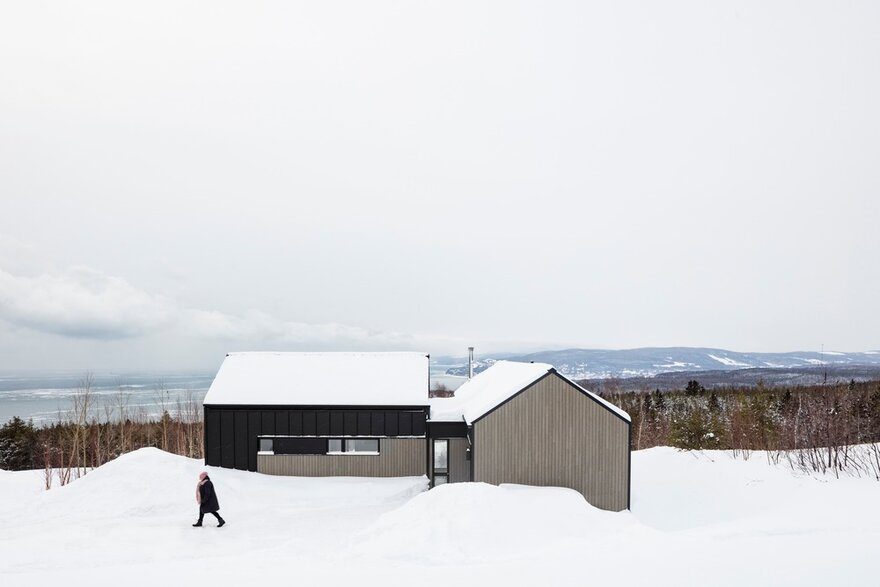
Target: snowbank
<point>149,480</point>
<point>139,507</point>
<point>18,485</point>
<point>698,518</point>
<point>476,522</point>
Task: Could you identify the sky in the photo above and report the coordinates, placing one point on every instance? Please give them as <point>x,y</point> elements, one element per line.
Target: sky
<point>183,179</point>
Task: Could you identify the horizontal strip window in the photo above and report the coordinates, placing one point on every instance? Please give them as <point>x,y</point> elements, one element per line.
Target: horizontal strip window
<point>337,436</point>
<point>353,446</point>
<point>273,445</point>
<point>292,445</point>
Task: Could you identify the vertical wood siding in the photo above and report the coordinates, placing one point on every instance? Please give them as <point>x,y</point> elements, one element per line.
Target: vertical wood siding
<point>398,457</point>
<point>552,434</point>
<point>459,466</point>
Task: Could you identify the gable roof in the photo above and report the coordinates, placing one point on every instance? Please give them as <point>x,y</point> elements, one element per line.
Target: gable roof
<point>321,379</point>
<point>497,384</point>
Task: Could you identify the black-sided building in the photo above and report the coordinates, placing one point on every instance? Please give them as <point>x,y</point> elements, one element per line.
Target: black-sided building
<point>334,414</point>
<point>368,414</point>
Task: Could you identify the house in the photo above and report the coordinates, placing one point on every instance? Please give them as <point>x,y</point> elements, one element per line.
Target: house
<point>369,414</point>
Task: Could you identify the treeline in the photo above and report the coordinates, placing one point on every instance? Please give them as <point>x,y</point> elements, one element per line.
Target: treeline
<point>92,433</point>
<point>814,427</point>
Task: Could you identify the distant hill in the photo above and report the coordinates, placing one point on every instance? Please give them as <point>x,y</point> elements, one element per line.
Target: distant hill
<point>751,377</point>
<point>651,362</point>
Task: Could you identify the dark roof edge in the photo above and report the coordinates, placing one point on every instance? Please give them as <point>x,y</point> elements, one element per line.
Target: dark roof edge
<point>592,396</point>
<point>315,407</point>
<point>553,371</point>
<point>528,385</point>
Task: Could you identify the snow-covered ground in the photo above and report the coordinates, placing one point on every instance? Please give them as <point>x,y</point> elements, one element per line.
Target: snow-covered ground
<point>697,519</point>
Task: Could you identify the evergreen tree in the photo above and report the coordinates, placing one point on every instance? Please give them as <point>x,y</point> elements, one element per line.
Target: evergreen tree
<point>694,388</point>
<point>18,441</point>
<point>659,401</point>
<point>786,399</point>
<point>874,413</point>
<point>714,404</point>
<point>648,408</point>
<point>694,431</point>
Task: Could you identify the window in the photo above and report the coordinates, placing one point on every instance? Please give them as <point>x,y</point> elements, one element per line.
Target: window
<point>441,455</point>
<point>290,445</point>
<point>440,470</point>
<point>369,445</point>
<point>362,446</point>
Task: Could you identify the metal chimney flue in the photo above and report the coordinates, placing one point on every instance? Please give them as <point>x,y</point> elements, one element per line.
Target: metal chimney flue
<point>470,362</point>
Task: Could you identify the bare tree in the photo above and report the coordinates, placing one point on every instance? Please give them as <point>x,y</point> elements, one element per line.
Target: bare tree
<point>81,409</point>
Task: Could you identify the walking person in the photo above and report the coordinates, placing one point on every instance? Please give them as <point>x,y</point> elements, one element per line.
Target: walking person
<point>207,500</point>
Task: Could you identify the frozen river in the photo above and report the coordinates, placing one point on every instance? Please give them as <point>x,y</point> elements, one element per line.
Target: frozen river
<point>45,397</point>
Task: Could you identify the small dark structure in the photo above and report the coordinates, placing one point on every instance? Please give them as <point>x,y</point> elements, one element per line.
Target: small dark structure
<point>368,414</point>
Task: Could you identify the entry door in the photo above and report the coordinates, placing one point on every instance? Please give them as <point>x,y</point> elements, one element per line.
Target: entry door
<point>440,462</point>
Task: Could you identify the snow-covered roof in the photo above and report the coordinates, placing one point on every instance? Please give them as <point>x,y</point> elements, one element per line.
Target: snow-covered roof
<point>487,390</point>
<point>321,379</point>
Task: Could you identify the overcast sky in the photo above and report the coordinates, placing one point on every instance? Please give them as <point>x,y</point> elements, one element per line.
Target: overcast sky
<point>179,180</point>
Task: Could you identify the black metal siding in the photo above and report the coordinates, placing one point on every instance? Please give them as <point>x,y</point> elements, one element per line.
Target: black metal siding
<point>363,423</point>
<point>323,423</point>
<point>350,427</point>
<point>282,422</point>
<point>391,427</point>
<point>241,443</point>
<point>268,423</point>
<point>418,425</point>
<point>404,424</point>
<point>227,440</point>
<point>447,430</point>
<point>212,438</point>
<point>254,430</point>
<point>336,419</point>
<point>310,423</point>
<point>231,432</point>
<point>296,422</point>
<point>377,423</point>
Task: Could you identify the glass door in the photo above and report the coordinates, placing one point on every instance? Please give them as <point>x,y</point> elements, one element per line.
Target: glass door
<point>440,468</point>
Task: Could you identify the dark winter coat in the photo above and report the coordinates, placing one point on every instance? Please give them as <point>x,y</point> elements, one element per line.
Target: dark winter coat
<point>208,502</point>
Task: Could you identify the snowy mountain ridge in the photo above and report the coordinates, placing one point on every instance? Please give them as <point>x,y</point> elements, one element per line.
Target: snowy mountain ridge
<point>651,361</point>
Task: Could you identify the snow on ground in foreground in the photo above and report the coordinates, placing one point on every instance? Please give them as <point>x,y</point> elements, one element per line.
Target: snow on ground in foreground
<point>697,519</point>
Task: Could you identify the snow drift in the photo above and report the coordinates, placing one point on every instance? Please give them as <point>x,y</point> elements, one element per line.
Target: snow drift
<point>472,522</point>
<point>698,518</point>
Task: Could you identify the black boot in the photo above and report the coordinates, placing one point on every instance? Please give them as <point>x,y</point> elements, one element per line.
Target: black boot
<point>197,525</point>
<point>222,521</point>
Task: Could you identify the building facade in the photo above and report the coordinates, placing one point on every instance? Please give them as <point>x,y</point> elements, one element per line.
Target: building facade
<point>514,423</point>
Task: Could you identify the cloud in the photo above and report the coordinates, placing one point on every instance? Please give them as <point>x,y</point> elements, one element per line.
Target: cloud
<point>81,303</point>
<point>84,303</point>
<point>259,326</point>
